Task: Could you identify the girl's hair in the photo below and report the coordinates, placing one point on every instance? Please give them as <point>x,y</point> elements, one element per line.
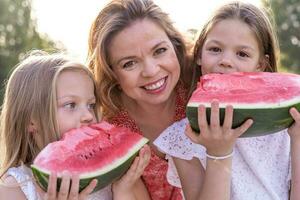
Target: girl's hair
<point>30,96</point>
<point>258,21</point>
<point>112,19</point>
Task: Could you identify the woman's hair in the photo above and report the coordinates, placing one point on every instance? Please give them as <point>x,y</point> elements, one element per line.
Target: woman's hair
<point>112,19</point>
<point>257,20</point>
<point>30,96</point>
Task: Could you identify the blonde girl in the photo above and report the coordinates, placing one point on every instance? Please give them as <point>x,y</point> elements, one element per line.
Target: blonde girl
<point>45,96</point>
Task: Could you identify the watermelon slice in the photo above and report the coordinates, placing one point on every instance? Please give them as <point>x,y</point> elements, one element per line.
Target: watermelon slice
<point>99,151</point>
<point>263,96</point>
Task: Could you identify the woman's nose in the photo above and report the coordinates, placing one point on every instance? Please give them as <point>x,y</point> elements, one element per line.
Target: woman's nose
<point>150,68</point>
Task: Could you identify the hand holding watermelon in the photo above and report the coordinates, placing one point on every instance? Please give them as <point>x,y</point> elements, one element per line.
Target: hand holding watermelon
<point>262,96</point>
<point>218,139</point>
<point>132,177</point>
<point>98,151</point>
<point>71,182</point>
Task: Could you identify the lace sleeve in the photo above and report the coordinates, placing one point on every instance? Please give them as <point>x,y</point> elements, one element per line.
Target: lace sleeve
<point>174,142</point>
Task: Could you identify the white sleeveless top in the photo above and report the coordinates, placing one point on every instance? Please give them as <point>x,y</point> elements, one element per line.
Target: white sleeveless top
<point>24,177</point>
<point>261,166</point>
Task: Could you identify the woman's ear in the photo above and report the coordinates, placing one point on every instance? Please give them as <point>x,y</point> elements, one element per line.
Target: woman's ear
<point>263,63</point>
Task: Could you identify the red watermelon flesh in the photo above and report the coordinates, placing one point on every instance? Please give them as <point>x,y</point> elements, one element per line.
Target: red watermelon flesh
<point>247,88</point>
<point>95,149</point>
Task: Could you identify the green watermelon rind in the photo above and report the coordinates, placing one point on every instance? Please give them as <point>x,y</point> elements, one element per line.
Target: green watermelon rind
<point>266,120</point>
<point>111,173</point>
<point>285,103</point>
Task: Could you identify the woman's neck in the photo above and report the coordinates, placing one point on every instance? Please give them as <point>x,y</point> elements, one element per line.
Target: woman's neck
<point>152,119</point>
<point>140,109</point>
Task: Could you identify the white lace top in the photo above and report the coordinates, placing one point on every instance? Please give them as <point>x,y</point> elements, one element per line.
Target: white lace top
<point>260,167</point>
<point>24,177</point>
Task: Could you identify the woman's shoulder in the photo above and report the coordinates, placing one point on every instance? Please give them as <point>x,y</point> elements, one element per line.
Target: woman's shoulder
<point>10,189</point>
<point>174,142</point>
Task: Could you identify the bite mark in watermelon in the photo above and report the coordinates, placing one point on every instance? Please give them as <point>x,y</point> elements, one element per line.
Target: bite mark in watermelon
<point>99,151</point>
<point>262,96</point>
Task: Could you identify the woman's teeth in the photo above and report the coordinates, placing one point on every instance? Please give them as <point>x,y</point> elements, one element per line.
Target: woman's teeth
<point>155,85</point>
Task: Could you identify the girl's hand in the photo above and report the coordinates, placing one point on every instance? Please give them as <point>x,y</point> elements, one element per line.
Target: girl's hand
<point>218,140</point>
<point>294,130</point>
<point>127,181</point>
<point>64,192</point>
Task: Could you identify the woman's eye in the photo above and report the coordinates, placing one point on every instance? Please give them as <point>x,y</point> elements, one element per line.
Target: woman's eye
<point>160,51</point>
<point>129,64</point>
<point>242,54</point>
<point>214,49</point>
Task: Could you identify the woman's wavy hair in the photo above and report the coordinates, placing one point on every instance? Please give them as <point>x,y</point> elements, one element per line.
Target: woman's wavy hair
<point>112,19</point>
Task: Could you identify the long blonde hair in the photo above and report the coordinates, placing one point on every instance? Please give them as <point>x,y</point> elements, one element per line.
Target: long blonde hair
<point>31,96</point>
<point>112,19</point>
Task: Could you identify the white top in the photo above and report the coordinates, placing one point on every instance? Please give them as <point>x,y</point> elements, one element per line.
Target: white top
<point>261,168</point>
<point>24,177</point>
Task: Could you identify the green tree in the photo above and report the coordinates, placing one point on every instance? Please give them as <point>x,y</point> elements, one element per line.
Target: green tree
<point>18,35</point>
<point>287,18</point>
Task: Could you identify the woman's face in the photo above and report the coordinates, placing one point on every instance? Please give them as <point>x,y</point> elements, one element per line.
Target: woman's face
<point>144,62</point>
<point>230,46</point>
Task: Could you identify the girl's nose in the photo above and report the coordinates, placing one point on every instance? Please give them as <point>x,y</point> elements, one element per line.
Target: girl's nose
<point>87,116</point>
<point>226,61</point>
<point>150,68</point>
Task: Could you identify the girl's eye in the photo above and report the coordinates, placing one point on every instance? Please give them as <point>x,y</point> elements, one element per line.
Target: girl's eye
<point>92,106</point>
<point>214,49</point>
<point>70,105</point>
<point>242,54</point>
<point>160,51</point>
<point>129,64</point>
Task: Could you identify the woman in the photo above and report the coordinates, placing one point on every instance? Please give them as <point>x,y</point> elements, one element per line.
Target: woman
<point>138,59</point>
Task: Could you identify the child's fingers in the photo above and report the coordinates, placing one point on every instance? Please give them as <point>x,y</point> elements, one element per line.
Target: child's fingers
<point>134,165</point>
<point>202,120</point>
<point>74,187</point>
<point>227,124</point>
<point>190,134</point>
<point>51,190</point>
<point>243,128</point>
<point>145,155</point>
<point>145,150</point>
<point>64,187</point>
<point>88,190</point>
<point>215,116</point>
<point>295,114</point>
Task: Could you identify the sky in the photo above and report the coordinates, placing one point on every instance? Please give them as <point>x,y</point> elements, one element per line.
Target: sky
<point>68,21</point>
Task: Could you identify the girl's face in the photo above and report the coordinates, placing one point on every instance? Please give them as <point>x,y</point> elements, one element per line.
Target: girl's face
<point>230,46</point>
<point>144,62</point>
<point>75,100</point>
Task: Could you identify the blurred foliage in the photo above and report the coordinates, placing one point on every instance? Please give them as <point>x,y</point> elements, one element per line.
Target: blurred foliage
<point>287,18</point>
<point>18,35</point>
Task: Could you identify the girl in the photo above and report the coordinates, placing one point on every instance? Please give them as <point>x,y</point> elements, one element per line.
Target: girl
<point>47,95</point>
<point>238,37</point>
